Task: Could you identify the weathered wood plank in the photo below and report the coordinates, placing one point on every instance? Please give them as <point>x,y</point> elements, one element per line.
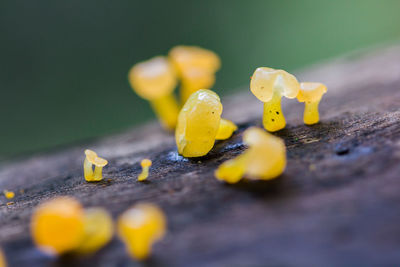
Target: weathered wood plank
<point>344,210</point>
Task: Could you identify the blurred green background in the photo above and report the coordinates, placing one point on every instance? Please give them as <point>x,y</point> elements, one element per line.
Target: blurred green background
<point>63,64</point>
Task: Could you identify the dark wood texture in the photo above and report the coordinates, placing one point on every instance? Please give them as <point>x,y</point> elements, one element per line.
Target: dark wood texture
<point>337,204</point>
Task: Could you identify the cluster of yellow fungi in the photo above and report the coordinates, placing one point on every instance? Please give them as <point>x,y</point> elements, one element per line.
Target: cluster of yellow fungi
<point>61,225</point>
<point>140,227</point>
<point>90,160</point>
<point>155,79</point>
<point>270,85</point>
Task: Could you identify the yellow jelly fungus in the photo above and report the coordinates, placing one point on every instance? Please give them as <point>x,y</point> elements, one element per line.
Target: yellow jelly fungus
<point>9,194</point>
<point>198,124</point>
<point>155,81</point>
<point>196,68</point>
<point>2,259</point>
<point>311,94</point>
<point>98,230</point>
<point>269,85</point>
<point>146,163</point>
<point>140,227</point>
<point>225,130</point>
<point>58,225</point>
<point>90,160</point>
<point>265,158</point>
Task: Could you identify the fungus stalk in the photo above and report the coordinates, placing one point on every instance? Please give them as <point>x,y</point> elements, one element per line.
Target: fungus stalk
<point>273,119</point>
<point>146,163</point>
<point>311,114</point>
<point>166,109</point>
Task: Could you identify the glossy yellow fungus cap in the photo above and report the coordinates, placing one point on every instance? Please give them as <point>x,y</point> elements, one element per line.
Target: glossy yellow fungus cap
<point>98,230</point>
<point>266,81</point>
<point>58,225</point>
<point>9,194</point>
<point>141,226</point>
<point>226,129</point>
<point>94,159</point>
<point>185,58</point>
<point>311,92</point>
<point>153,78</point>
<point>198,124</point>
<point>145,163</point>
<point>265,158</point>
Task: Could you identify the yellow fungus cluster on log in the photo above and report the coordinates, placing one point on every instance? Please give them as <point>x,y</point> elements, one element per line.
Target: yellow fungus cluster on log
<point>61,225</point>
<point>269,85</point>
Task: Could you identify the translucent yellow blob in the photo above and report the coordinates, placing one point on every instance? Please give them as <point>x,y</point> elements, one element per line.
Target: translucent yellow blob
<point>140,227</point>
<point>265,158</point>
<point>57,225</point>
<point>90,160</point>
<point>2,260</point>
<point>311,94</point>
<point>98,230</point>
<point>9,194</point>
<point>145,163</point>
<point>196,68</point>
<point>225,130</point>
<point>269,85</point>
<point>155,81</point>
<point>198,124</point>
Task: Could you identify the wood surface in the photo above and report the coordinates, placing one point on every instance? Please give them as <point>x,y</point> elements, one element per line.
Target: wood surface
<point>337,203</point>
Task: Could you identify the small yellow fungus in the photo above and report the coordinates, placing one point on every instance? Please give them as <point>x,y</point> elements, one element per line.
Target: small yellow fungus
<point>269,85</point>
<point>145,163</point>
<point>140,227</point>
<point>225,130</point>
<point>2,260</point>
<point>155,80</point>
<point>196,68</point>
<point>58,225</point>
<point>90,160</point>
<point>98,230</point>
<point>265,158</point>
<point>311,94</point>
<point>9,194</point>
<point>198,124</point>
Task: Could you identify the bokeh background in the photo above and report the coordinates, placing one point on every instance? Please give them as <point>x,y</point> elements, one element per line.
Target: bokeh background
<point>63,64</point>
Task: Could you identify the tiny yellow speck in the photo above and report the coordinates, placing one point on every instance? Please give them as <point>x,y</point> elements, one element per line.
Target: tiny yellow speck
<point>312,167</point>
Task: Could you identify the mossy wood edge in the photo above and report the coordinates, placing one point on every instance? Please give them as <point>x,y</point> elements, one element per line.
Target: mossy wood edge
<point>338,201</point>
